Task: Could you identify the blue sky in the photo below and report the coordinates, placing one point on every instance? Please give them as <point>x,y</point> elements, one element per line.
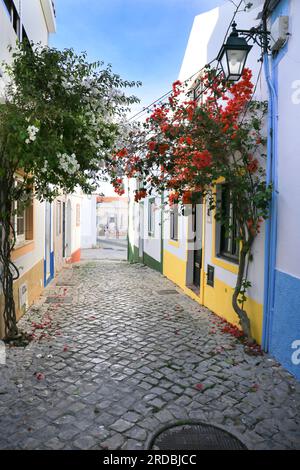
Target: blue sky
<point>142,39</point>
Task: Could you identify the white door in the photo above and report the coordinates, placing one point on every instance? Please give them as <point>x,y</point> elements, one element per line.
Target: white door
<point>47,239</point>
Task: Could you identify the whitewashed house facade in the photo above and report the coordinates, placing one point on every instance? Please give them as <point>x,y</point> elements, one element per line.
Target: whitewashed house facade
<point>200,269</point>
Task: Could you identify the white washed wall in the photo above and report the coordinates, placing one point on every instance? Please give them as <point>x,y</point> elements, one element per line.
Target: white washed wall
<point>288,246</point>
<point>88,222</point>
<point>7,34</point>
<point>34,20</point>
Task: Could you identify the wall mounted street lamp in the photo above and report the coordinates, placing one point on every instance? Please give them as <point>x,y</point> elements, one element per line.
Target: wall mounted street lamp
<point>233,54</point>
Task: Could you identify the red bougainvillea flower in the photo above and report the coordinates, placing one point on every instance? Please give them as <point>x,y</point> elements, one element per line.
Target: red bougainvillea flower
<point>233,331</point>
<point>122,153</point>
<point>187,197</point>
<point>162,148</point>
<point>199,387</point>
<point>159,115</point>
<point>191,109</point>
<point>176,84</point>
<point>176,88</point>
<point>152,145</point>
<point>118,186</point>
<point>201,159</point>
<point>253,164</point>
<point>39,376</point>
<point>141,194</point>
<point>164,127</point>
<point>173,198</point>
<point>120,191</point>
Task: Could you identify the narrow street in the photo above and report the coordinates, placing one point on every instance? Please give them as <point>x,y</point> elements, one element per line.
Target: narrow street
<point>107,249</point>
<point>119,352</point>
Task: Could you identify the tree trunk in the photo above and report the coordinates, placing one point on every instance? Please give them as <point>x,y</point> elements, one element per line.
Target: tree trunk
<point>8,271</point>
<point>241,313</point>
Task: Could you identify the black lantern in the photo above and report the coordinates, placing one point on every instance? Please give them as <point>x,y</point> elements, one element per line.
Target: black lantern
<point>233,55</point>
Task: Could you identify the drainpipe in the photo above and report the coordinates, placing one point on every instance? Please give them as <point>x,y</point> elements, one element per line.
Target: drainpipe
<point>162,235</point>
<point>271,223</point>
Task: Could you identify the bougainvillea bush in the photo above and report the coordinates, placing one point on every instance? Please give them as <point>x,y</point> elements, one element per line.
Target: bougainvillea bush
<point>185,147</point>
<point>58,125</point>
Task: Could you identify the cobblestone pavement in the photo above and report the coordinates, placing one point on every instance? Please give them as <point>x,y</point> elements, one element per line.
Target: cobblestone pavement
<point>104,253</point>
<point>117,358</point>
<point>108,249</point>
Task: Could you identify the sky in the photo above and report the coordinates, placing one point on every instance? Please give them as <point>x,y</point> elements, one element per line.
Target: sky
<point>143,39</point>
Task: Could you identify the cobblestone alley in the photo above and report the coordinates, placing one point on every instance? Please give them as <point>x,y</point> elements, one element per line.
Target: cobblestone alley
<point>119,352</point>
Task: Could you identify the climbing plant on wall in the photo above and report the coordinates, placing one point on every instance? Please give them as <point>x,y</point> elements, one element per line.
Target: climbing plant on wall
<point>187,146</point>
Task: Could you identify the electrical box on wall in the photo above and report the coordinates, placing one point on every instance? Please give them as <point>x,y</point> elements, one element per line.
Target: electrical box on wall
<point>23,297</point>
<point>210,275</point>
<point>279,33</point>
